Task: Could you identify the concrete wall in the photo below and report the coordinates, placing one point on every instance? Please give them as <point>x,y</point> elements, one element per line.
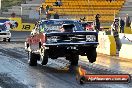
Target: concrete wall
<point>125,38</point>
<point>106,45</point>
<point>126,51</point>
<point>126,48</point>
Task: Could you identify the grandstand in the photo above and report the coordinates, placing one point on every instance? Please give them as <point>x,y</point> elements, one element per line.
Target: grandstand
<point>77,9</point>
<point>88,8</point>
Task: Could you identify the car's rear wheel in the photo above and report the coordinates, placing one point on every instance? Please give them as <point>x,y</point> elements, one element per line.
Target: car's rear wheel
<point>91,55</point>
<point>73,59</point>
<point>32,59</point>
<point>45,60</point>
<point>44,57</point>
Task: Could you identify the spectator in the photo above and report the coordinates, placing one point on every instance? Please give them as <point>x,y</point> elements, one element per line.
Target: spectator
<point>122,24</point>
<point>48,16</point>
<point>58,3</point>
<point>114,29</point>
<point>41,10</point>
<point>13,14</point>
<point>50,8</point>
<point>56,16</point>
<point>110,0</point>
<point>47,8</point>
<point>115,26</point>
<point>97,22</point>
<point>127,21</point>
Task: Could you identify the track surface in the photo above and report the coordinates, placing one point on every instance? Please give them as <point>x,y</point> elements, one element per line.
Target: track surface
<point>16,73</point>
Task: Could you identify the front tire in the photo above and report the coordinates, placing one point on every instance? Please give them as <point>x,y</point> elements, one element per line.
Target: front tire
<point>32,59</point>
<point>91,55</point>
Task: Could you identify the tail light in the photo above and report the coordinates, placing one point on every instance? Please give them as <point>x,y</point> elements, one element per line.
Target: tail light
<point>44,38</point>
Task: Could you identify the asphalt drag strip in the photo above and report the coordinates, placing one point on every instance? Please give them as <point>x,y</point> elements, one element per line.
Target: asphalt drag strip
<point>6,81</point>
<point>13,62</point>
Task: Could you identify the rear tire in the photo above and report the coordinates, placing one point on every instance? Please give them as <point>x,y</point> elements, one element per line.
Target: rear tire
<point>44,57</point>
<point>32,59</point>
<point>45,60</point>
<point>91,55</point>
<point>73,59</point>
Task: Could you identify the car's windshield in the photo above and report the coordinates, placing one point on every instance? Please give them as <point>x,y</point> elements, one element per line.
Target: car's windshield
<point>55,26</point>
<point>2,27</point>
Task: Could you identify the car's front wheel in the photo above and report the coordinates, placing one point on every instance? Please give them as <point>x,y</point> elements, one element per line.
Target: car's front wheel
<point>91,55</point>
<point>32,59</point>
